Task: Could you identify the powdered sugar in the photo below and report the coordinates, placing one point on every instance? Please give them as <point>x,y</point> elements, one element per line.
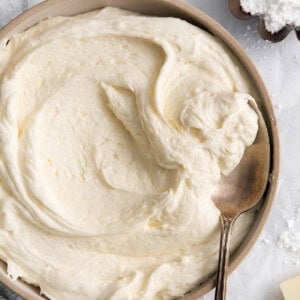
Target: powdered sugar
<point>290,240</point>
<point>290,237</point>
<point>277,13</point>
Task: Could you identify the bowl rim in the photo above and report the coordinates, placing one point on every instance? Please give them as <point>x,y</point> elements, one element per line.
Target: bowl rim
<point>200,19</point>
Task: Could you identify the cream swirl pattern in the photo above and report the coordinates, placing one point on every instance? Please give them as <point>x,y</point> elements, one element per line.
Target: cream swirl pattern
<point>114,130</point>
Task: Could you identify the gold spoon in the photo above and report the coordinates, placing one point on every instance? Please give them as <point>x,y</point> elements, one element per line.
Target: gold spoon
<point>239,192</point>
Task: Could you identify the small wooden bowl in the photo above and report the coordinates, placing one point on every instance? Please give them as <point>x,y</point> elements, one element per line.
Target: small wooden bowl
<point>179,9</point>
<point>236,9</point>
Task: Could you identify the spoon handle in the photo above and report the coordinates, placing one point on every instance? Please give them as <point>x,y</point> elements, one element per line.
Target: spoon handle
<point>227,224</point>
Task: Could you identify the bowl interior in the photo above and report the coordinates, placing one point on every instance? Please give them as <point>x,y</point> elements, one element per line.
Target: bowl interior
<point>179,9</point>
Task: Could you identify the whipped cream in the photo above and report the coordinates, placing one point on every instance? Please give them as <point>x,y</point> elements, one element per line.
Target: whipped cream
<point>115,129</point>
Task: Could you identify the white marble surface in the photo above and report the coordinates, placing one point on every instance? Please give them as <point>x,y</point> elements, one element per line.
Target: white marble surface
<point>258,277</point>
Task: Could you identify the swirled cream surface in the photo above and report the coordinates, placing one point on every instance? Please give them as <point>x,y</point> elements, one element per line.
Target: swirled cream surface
<point>114,131</point>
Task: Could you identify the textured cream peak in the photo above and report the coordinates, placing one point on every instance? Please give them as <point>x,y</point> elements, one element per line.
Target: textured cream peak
<point>114,131</point>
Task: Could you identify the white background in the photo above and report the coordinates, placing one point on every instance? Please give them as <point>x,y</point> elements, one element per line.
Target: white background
<point>258,277</point>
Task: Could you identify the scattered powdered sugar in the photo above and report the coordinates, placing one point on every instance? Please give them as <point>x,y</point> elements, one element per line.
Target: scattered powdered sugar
<point>278,107</point>
<point>289,240</point>
<point>277,13</point>
<point>290,237</point>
